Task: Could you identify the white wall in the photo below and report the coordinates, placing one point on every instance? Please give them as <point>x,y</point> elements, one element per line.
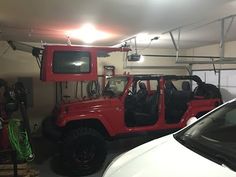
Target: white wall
<point>150,65</point>
<point>213,50</point>
<point>14,64</point>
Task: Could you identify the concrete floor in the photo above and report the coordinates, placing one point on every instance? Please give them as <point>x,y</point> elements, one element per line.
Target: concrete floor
<point>48,162</point>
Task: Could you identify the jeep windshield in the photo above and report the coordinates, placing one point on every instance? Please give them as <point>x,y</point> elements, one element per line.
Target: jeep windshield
<point>115,86</point>
<point>214,137</point>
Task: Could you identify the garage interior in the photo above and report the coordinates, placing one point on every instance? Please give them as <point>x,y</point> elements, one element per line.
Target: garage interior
<point>184,37</point>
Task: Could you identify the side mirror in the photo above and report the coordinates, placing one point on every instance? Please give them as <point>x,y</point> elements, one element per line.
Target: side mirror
<point>191,121</point>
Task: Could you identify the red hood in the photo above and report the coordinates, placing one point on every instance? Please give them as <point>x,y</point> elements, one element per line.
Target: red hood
<point>85,108</point>
<point>96,103</point>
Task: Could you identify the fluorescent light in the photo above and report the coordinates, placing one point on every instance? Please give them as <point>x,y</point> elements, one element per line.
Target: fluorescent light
<point>88,34</point>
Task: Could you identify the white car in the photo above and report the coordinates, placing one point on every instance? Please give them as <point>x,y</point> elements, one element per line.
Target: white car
<point>206,148</point>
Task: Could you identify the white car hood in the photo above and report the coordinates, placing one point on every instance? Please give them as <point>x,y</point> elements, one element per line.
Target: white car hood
<point>165,157</point>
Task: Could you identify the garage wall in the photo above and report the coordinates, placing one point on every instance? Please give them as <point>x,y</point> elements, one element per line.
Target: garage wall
<point>15,64</point>
<point>150,65</point>
<point>214,50</point>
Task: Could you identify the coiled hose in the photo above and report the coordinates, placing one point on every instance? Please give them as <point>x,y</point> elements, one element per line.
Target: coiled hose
<point>19,140</point>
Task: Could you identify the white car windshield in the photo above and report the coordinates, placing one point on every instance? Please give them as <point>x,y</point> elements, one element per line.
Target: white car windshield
<point>214,136</point>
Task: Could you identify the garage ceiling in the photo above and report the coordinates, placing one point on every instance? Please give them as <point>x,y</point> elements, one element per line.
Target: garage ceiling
<point>50,21</point>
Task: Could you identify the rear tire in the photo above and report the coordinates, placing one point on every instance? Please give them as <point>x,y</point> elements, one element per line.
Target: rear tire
<point>84,151</point>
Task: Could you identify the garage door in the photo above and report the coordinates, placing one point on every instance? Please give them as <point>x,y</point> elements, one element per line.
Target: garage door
<point>227,81</point>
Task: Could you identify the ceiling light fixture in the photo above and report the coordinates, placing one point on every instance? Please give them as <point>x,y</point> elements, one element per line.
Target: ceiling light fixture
<point>88,34</point>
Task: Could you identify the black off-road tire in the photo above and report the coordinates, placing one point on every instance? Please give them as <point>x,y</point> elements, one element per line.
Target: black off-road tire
<point>84,151</point>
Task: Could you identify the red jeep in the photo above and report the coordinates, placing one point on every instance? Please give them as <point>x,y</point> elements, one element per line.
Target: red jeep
<point>129,104</point>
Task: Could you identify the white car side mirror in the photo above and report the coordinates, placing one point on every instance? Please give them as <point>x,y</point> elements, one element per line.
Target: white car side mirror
<point>191,120</point>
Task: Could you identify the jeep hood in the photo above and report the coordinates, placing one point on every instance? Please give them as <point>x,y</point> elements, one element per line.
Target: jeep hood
<point>92,103</point>
<point>164,157</point>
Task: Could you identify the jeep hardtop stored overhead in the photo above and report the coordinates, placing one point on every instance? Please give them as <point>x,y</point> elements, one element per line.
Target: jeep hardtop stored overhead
<point>68,63</point>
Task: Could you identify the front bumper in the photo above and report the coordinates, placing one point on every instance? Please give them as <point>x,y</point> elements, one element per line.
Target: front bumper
<point>50,130</point>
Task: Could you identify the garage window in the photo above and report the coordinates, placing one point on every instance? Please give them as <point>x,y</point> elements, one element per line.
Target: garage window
<point>71,62</point>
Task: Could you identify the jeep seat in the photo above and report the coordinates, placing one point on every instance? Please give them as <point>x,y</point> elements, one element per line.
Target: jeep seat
<point>141,96</point>
<point>177,103</point>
